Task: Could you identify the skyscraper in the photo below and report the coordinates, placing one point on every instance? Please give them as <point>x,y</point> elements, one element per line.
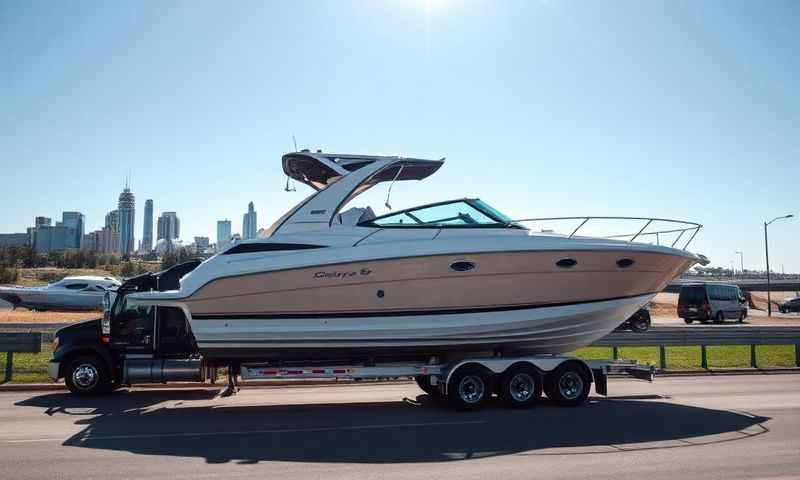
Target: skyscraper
<point>74,222</point>
<point>223,234</point>
<point>169,226</point>
<point>249,223</point>
<point>112,221</point>
<point>127,210</point>
<point>147,234</point>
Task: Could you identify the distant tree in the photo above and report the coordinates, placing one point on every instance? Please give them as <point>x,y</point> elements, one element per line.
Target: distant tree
<point>127,269</point>
<point>168,260</point>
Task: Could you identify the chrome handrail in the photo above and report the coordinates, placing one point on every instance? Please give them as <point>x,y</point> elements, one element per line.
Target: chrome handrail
<point>690,227</point>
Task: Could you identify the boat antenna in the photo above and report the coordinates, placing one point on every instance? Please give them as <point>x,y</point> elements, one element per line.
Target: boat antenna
<point>287,188</point>
<point>389,193</point>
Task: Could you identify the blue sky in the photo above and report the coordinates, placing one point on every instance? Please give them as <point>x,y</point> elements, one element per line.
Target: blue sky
<point>686,110</point>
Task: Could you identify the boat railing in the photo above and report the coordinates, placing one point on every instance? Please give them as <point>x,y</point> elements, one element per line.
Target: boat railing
<point>678,228</point>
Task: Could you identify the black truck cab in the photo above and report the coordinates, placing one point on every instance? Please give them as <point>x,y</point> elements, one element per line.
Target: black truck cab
<point>130,344</point>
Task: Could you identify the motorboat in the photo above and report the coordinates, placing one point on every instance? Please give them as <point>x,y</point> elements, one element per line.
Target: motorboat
<point>70,293</point>
<point>443,278</point>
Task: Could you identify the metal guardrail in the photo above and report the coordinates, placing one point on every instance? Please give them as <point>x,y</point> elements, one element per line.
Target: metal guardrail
<point>16,342</point>
<point>690,228</point>
<point>704,337</point>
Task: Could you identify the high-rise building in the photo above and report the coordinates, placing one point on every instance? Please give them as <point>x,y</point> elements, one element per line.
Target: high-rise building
<point>112,220</point>
<point>42,222</point>
<point>147,233</point>
<point>169,226</point>
<point>74,222</point>
<point>249,223</point>
<point>223,234</point>
<point>127,212</point>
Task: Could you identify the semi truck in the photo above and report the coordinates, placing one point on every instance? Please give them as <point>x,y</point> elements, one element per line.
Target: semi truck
<point>134,345</point>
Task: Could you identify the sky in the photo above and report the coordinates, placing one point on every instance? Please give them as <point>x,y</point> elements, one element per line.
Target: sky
<point>673,109</point>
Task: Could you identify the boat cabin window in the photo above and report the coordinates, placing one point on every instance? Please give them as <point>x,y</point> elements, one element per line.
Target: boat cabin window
<point>457,213</point>
<point>76,286</point>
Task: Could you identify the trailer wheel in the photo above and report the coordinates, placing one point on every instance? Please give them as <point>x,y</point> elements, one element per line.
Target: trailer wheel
<point>569,384</point>
<point>424,383</point>
<point>469,388</point>
<point>521,386</point>
<point>88,375</point>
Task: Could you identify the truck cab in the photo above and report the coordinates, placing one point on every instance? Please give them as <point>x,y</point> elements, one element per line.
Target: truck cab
<point>130,344</point>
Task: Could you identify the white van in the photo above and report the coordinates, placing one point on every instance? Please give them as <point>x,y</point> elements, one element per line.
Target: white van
<point>711,301</point>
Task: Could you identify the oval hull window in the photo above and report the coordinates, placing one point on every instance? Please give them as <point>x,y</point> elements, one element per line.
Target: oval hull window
<point>625,262</point>
<point>462,266</point>
<point>566,263</point>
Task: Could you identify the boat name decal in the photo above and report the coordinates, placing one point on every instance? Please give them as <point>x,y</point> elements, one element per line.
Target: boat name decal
<point>355,273</point>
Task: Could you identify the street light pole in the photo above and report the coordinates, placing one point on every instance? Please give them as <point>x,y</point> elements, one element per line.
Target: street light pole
<point>741,264</point>
<point>769,287</point>
<point>766,251</point>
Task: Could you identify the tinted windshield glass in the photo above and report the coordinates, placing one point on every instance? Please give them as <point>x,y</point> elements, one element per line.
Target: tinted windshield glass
<point>692,295</point>
<point>458,213</point>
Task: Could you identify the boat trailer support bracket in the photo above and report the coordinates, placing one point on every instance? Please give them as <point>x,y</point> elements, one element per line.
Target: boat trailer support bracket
<point>231,388</point>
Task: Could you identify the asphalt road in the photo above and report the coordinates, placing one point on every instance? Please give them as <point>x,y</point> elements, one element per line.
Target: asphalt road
<point>687,427</point>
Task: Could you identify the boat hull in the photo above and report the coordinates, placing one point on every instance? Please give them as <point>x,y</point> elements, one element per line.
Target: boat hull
<point>46,299</point>
<point>535,330</point>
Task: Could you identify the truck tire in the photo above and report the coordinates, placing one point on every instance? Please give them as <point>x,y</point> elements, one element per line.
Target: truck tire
<point>569,384</point>
<point>688,321</point>
<point>521,386</point>
<point>720,318</point>
<point>424,383</point>
<point>88,375</point>
<point>469,388</point>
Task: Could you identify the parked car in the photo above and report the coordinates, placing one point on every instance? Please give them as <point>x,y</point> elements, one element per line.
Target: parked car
<point>638,322</point>
<point>711,302</point>
<point>790,305</point>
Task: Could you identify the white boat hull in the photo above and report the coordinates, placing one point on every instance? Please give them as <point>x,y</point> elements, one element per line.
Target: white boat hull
<point>536,330</point>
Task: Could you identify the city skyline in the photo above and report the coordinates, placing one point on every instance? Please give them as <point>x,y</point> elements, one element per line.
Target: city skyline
<point>675,110</point>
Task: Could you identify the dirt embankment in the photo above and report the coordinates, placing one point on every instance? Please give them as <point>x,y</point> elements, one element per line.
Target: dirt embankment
<point>26,316</point>
<point>31,277</point>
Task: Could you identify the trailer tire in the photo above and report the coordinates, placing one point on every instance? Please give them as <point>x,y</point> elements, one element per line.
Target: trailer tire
<point>424,383</point>
<point>569,384</point>
<point>88,375</point>
<point>469,388</point>
<point>521,386</point>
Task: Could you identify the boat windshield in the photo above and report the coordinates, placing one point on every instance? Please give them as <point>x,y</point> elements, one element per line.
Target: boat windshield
<point>454,213</point>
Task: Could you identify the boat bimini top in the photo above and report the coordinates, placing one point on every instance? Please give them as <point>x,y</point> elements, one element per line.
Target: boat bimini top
<point>338,179</point>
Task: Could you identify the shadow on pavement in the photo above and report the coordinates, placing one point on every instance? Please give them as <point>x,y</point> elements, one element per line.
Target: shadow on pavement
<point>415,430</point>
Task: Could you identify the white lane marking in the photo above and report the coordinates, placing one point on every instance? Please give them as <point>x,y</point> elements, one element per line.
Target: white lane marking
<point>254,432</point>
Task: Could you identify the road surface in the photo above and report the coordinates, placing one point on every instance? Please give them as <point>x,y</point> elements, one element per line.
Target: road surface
<point>680,427</point>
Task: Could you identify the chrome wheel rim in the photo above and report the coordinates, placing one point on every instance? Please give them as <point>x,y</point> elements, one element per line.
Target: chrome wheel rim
<point>85,376</point>
<point>521,387</point>
<point>471,389</point>
<point>570,385</point>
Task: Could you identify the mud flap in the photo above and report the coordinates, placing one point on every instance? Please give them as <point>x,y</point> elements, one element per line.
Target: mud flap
<point>600,381</point>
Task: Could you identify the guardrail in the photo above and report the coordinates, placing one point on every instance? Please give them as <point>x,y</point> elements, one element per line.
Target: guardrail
<point>15,342</point>
<point>663,337</point>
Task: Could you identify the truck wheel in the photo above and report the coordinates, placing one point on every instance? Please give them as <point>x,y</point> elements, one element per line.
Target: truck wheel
<point>469,388</point>
<point>742,316</point>
<point>720,318</point>
<point>688,321</point>
<point>521,386</point>
<point>424,383</point>
<point>569,384</point>
<point>640,325</point>
<point>88,375</point>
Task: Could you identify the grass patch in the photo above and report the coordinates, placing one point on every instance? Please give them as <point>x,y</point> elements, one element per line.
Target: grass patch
<point>684,358</point>
<point>32,367</point>
<point>29,367</point>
